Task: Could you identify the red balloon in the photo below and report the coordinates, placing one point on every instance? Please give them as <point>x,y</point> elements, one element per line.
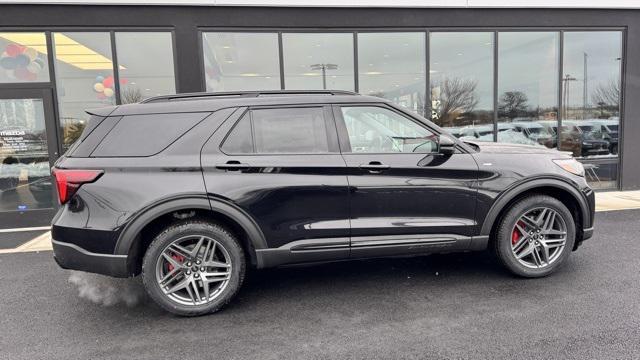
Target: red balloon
<point>108,82</point>
<point>101,96</point>
<point>124,81</point>
<point>15,49</point>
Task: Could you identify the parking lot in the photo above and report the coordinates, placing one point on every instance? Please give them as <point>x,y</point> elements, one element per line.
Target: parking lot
<point>444,306</point>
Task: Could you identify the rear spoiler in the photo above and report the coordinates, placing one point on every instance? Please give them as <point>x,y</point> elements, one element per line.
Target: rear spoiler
<point>103,111</point>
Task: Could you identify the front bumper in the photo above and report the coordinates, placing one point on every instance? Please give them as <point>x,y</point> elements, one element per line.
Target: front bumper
<point>73,257</point>
<point>595,151</point>
<point>587,233</point>
<point>588,221</point>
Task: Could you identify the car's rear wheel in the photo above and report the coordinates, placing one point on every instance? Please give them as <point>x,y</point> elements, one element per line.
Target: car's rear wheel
<point>193,268</point>
<point>535,237</point>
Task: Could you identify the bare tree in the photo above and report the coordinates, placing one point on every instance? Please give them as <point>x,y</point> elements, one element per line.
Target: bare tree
<point>456,97</point>
<point>131,95</point>
<point>607,93</point>
<point>73,128</point>
<point>513,104</point>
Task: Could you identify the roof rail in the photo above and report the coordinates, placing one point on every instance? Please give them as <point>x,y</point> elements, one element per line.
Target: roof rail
<point>201,95</point>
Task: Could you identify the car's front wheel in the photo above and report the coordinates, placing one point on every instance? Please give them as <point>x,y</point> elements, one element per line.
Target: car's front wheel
<point>193,268</point>
<point>535,236</point>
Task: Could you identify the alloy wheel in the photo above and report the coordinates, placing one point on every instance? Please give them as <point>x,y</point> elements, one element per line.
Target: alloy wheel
<point>538,237</point>
<point>193,270</point>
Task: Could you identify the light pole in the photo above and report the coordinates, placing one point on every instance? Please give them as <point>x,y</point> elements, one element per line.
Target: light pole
<point>324,68</point>
<point>566,80</point>
<point>585,90</point>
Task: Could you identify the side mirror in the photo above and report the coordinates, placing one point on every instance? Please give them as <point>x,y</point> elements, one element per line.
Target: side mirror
<point>447,145</point>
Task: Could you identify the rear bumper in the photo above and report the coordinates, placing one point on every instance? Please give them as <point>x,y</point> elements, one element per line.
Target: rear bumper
<point>73,257</point>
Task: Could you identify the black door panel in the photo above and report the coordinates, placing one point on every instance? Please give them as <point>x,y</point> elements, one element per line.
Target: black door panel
<point>292,197</point>
<point>411,196</point>
<point>400,183</point>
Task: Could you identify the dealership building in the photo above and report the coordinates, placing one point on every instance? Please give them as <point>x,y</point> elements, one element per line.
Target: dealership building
<point>561,74</point>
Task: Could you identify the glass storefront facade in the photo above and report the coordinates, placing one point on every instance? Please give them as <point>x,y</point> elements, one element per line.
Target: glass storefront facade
<point>241,61</point>
<point>83,70</point>
<point>316,61</point>
<point>461,82</point>
<point>504,86</point>
<point>86,74</point>
<point>558,88</point>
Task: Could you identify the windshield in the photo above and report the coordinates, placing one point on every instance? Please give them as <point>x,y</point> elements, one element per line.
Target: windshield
<point>591,132</point>
<point>540,131</point>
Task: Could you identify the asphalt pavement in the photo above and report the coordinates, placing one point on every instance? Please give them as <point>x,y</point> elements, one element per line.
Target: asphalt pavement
<point>458,306</point>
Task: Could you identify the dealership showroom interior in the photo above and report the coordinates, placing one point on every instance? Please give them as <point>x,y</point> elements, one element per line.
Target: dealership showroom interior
<point>563,76</point>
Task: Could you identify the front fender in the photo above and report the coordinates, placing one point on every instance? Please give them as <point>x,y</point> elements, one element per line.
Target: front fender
<point>528,184</point>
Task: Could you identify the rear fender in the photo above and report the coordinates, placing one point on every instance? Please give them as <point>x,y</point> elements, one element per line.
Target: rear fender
<point>128,239</point>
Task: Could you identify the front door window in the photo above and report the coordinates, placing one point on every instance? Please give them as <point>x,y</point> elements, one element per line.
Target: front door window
<point>374,129</point>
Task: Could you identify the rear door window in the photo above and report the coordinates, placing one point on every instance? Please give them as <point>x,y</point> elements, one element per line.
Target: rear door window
<point>299,130</point>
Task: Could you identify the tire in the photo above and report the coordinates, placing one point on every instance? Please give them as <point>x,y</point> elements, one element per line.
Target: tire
<point>226,251</point>
<point>506,244</point>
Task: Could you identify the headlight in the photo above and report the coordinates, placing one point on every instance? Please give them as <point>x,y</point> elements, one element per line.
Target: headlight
<point>571,165</point>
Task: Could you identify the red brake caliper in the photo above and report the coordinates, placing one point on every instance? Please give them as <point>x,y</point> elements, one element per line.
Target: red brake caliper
<point>178,258</point>
<point>516,235</point>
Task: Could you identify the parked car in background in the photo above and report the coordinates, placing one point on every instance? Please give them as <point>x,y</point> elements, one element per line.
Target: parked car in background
<point>609,129</point>
<point>507,133</point>
<point>590,137</point>
<point>481,132</point>
<point>565,141</point>
<point>536,132</point>
<point>232,181</point>
<point>581,141</point>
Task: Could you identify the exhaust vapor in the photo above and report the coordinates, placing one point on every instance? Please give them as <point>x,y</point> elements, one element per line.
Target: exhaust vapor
<point>107,291</point>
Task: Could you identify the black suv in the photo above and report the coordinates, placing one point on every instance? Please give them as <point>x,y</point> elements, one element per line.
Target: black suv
<point>191,190</point>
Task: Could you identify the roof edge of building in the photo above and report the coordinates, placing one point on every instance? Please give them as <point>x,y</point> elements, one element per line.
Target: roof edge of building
<point>472,4</point>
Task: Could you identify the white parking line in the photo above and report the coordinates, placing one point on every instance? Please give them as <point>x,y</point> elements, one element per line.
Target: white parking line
<point>39,243</point>
<point>12,230</point>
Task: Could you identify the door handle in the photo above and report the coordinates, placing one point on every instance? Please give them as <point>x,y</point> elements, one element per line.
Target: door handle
<point>232,165</point>
<point>374,166</point>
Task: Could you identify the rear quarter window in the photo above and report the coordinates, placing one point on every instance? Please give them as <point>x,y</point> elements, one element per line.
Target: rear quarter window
<point>145,135</point>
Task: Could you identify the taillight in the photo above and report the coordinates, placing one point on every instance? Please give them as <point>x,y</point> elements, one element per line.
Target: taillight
<point>69,181</point>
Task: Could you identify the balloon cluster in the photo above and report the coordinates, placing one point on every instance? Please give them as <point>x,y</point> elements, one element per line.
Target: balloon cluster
<point>104,86</point>
<point>21,62</point>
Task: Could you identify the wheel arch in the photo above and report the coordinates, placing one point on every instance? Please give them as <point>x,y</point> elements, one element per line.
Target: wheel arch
<point>138,233</point>
<point>569,195</point>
